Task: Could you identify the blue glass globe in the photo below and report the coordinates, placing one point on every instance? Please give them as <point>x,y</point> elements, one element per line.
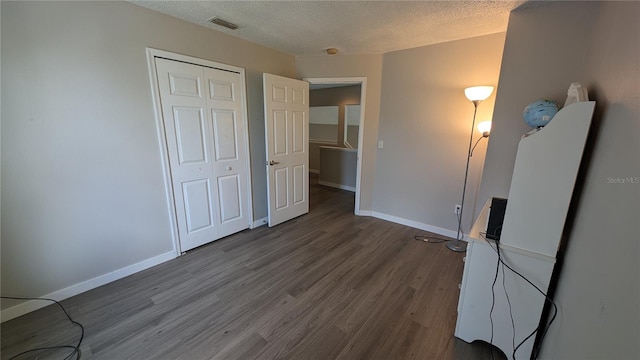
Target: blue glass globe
<point>539,113</point>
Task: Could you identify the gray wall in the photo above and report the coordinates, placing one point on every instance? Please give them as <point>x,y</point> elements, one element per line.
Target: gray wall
<point>539,62</point>
<point>352,135</point>
<point>369,66</point>
<point>338,166</point>
<point>82,183</point>
<point>314,155</point>
<point>598,291</point>
<point>425,123</point>
<point>324,132</point>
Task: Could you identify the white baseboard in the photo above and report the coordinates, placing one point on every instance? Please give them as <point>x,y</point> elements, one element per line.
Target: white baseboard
<point>260,222</point>
<point>364,212</point>
<point>417,225</point>
<point>32,305</point>
<point>339,186</point>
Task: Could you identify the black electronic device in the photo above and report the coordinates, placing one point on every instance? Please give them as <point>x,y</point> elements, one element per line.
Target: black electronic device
<point>496,218</point>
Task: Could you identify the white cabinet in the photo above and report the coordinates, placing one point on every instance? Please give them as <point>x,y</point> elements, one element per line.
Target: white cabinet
<point>541,190</point>
<point>478,293</point>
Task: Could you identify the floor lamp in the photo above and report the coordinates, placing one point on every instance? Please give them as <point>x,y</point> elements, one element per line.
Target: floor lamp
<point>475,94</point>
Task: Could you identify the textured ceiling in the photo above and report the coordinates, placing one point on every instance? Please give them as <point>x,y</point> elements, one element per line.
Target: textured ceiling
<point>353,27</point>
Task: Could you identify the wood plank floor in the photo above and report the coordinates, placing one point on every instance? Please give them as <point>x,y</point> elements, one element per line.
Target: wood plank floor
<point>327,285</point>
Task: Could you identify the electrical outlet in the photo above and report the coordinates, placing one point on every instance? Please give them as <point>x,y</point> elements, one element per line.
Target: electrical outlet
<point>457,209</point>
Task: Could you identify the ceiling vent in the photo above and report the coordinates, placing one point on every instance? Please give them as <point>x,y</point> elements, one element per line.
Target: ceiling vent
<point>221,22</point>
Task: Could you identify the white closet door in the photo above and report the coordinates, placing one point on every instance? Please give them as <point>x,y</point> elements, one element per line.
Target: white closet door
<point>229,149</point>
<point>203,113</point>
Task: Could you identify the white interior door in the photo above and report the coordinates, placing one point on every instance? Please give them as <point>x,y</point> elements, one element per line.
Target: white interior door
<point>286,104</point>
<point>203,122</point>
<point>229,149</point>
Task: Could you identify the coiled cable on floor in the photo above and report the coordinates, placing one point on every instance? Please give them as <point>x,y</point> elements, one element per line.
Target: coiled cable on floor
<point>75,350</point>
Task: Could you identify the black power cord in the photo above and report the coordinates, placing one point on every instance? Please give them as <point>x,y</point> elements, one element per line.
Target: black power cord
<point>506,294</point>
<point>75,349</point>
<point>513,324</point>
<point>431,239</point>
<point>547,299</point>
<point>438,239</point>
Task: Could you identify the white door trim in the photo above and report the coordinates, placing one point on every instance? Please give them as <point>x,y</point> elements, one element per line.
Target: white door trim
<point>157,108</point>
<point>362,81</point>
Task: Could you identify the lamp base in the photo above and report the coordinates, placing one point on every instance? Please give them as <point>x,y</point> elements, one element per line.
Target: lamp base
<point>457,246</point>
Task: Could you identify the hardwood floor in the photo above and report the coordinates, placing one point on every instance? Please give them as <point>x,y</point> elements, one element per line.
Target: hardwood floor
<point>327,285</point>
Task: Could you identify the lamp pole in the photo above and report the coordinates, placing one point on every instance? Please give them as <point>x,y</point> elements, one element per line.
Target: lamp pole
<point>458,245</point>
<point>475,94</point>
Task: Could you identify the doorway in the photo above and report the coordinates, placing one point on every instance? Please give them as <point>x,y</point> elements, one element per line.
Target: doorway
<point>351,129</point>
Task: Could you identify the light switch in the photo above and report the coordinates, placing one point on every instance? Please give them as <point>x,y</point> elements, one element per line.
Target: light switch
<point>380,144</point>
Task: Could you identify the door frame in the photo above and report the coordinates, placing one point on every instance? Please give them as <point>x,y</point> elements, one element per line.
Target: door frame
<point>152,54</point>
<point>362,81</point>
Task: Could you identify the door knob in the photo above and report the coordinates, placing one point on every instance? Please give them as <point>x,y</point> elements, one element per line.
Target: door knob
<point>271,163</point>
<point>228,168</point>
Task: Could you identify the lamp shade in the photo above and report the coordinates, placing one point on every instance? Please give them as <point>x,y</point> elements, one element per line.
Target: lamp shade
<point>484,127</point>
<point>478,93</point>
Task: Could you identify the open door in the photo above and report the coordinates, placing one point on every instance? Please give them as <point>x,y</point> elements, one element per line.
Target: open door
<point>286,103</point>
